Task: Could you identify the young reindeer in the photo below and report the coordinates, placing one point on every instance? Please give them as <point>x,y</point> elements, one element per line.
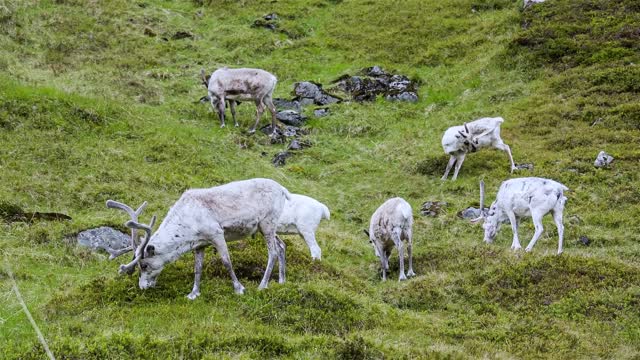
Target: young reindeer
<point>241,85</point>
<point>523,197</point>
<point>457,141</point>
<point>391,223</point>
<point>203,217</point>
<point>302,215</point>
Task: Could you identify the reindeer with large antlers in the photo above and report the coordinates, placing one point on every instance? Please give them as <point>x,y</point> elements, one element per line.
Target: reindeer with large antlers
<point>457,141</point>
<point>203,217</point>
<point>523,197</point>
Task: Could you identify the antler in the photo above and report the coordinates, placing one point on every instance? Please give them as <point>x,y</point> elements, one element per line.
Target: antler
<point>204,78</point>
<point>482,215</point>
<point>134,216</point>
<point>128,268</point>
<point>466,129</point>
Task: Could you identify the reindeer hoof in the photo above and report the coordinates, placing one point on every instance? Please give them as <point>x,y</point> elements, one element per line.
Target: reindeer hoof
<point>193,296</point>
<point>251,132</point>
<point>411,273</point>
<point>221,126</point>
<point>236,125</point>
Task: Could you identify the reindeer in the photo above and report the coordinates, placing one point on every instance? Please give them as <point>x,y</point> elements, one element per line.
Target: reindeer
<point>391,223</point>
<point>523,197</point>
<point>203,217</point>
<point>238,85</point>
<point>457,141</point>
<point>302,215</point>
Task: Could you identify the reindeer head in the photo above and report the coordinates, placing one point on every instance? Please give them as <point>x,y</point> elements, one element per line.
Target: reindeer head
<point>372,242</point>
<point>204,78</point>
<point>465,136</point>
<point>143,251</point>
<point>144,257</point>
<point>490,218</point>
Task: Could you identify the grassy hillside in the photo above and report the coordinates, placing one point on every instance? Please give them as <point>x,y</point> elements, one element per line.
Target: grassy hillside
<point>98,100</point>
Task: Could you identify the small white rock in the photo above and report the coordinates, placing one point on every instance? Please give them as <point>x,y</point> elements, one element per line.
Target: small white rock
<point>603,160</point>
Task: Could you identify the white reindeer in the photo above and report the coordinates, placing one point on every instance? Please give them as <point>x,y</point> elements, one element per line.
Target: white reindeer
<point>457,141</point>
<point>237,85</point>
<point>302,215</point>
<point>203,217</point>
<point>391,223</point>
<point>523,197</point>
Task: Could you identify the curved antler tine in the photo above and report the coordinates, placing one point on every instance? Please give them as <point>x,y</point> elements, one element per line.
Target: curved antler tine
<point>118,205</point>
<point>128,268</point>
<point>147,228</point>
<point>119,252</point>
<point>141,208</point>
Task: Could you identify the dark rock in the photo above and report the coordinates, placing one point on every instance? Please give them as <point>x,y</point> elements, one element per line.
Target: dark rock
<point>280,158</point>
<point>528,166</point>
<point>291,117</point>
<point>405,96</point>
<point>104,238</point>
<point>182,35</point>
<point>308,92</point>
<point>307,89</point>
<point>469,213</point>
<point>321,112</point>
<point>284,104</point>
<point>268,21</point>
<point>374,71</point>
<point>432,208</point>
<point>298,144</point>
<point>149,32</point>
<point>375,81</point>
<point>584,240</point>
<point>272,16</point>
<point>603,160</point>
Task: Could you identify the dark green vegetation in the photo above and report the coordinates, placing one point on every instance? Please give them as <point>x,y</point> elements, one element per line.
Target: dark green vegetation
<point>98,101</point>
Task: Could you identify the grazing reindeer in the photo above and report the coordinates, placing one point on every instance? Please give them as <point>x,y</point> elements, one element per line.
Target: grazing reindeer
<point>203,217</point>
<point>391,223</point>
<point>523,197</point>
<point>241,85</point>
<point>470,137</point>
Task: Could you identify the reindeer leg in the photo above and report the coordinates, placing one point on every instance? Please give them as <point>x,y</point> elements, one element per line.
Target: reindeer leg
<point>232,105</point>
<point>282,262</point>
<point>199,258</point>
<point>268,229</point>
<point>409,253</point>
<point>507,149</point>
<point>268,101</point>
<point>398,242</point>
<point>459,161</point>
<point>537,223</point>
<point>452,161</point>
<point>259,111</point>
<point>221,111</point>
<point>557,217</point>
<point>221,246</point>
<point>515,245</point>
<point>310,238</point>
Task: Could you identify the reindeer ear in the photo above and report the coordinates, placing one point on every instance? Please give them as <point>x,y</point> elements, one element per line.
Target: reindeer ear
<point>150,250</point>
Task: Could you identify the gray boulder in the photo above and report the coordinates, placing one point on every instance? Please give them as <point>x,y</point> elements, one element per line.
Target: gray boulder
<point>104,238</point>
<point>291,117</point>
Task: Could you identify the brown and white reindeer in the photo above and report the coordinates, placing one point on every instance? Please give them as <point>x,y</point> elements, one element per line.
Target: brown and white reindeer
<point>237,85</point>
<point>203,217</point>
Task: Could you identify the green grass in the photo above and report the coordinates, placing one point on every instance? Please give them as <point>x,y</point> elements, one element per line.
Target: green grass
<point>98,101</point>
